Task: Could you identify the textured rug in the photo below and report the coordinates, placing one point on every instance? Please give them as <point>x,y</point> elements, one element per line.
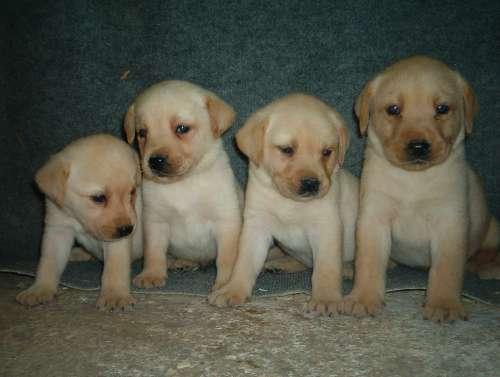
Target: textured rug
<point>86,276</point>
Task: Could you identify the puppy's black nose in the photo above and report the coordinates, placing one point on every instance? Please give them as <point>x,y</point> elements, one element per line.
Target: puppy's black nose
<point>309,186</point>
<point>157,162</point>
<point>418,149</point>
<point>124,230</point>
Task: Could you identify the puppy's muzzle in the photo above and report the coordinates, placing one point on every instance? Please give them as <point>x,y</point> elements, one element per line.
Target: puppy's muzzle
<point>123,231</point>
<point>309,186</point>
<point>418,151</point>
<point>158,164</point>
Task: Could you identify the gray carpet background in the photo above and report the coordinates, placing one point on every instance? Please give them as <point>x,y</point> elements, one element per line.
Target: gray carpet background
<point>62,72</point>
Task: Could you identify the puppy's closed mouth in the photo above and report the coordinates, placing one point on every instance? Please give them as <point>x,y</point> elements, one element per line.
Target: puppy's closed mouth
<point>161,173</point>
<point>307,194</point>
<point>419,161</point>
<point>164,174</point>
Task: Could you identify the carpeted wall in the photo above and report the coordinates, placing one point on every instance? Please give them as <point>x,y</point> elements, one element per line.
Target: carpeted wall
<point>70,68</point>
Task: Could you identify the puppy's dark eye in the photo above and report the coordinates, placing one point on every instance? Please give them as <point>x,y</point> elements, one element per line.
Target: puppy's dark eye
<point>98,198</point>
<point>442,109</point>
<point>287,150</point>
<point>327,152</point>
<point>182,129</point>
<point>393,110</point>
<point>142,133</point>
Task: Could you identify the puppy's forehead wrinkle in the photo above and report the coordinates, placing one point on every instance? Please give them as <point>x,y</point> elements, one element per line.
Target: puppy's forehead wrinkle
<point>162,116</point>
<point>420,84</point>
<point>184,116</point>
<point>281,137</point>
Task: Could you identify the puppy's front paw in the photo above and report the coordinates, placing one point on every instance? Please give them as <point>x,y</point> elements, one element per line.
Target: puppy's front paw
<point>115,299</point>
<point>441,312</point>
<point>362,306</point>
<point>150,279</point>
<point>217,285</point>
<point>35,295</point>
<point>221,280</point>
<point>315,307</point>
<point>228,296</point>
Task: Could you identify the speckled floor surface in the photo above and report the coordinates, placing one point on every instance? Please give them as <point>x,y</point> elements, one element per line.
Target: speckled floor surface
<point>171,335</point>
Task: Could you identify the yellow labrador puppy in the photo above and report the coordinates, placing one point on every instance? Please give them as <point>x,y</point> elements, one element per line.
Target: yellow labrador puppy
<point>298,195</point>
<point>91,197</point>
<point>191,198</point>
<point>418,196</point>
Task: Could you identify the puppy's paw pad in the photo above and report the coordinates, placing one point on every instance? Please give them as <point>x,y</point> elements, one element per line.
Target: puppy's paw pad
<point>150,280</point>
<point>223,298</point>
<point>315,308</point>
<point>358,307</point>
<point>115,300</point>
<point>35,296</point>
<point>445,313</point>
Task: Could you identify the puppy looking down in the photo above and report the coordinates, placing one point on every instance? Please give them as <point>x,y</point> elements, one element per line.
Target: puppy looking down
<point>191,198</point>
<point>418,196</point>
<point>91,197</point>
<point>296,195</point>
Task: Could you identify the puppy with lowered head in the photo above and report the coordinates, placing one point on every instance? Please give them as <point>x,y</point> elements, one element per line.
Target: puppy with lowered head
<point>297,195</point>
<point>419,198</point>
<point>91,197</point>
<point>191,198</point>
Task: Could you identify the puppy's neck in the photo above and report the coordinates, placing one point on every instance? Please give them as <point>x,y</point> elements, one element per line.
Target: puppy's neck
<point>211,158</point>
<point>61,216</point>
<point>259,174</point>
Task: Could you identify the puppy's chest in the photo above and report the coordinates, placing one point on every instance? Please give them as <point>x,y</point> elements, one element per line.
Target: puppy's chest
<point>294,241</point>
<point>289,229</point>
<point>411,233</point>
<point>173,205</point>
<point>190,217</point>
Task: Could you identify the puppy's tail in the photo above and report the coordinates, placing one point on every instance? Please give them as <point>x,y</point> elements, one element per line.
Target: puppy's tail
<point>492,238</point>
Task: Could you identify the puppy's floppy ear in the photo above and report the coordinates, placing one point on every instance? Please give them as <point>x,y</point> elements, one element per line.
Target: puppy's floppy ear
<point>470,103</point>
<point>52,178</point>
<point>221,115</point>
<point>129,124</point>
<point>363,104</point>
<point>250,138</point>
<point>343,143</point>
<point>343,132</point>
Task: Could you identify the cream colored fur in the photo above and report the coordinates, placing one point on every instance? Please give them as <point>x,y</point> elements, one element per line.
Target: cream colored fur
<point>318,229</point>
<point>192,205</point>
<point>95,165</point>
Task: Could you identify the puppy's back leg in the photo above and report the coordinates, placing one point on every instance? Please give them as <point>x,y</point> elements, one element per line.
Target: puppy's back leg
<point>279,261</point>
<point>79,254</point>
<point>182,264</point>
